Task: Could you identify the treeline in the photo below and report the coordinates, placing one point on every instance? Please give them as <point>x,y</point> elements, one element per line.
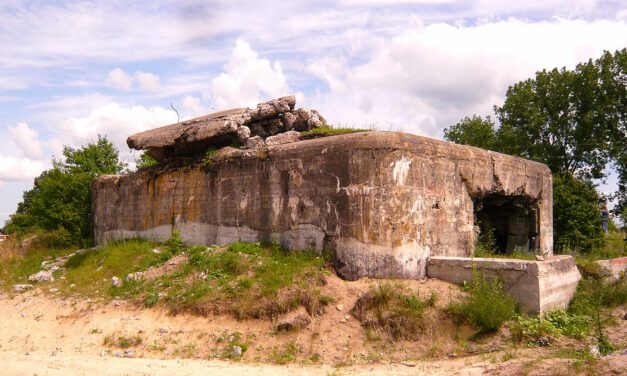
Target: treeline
<point>574,121</point>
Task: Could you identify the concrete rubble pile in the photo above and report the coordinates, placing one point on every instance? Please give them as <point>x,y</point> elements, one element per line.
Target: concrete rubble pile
<point>276,121</point>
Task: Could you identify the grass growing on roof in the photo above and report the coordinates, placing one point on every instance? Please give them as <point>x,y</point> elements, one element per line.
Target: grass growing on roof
<point>330,131</point>
<point>242,279</point>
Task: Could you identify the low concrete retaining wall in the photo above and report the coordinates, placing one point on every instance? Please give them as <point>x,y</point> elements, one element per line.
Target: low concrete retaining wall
<point>614,267</point>
<point>538,286</point>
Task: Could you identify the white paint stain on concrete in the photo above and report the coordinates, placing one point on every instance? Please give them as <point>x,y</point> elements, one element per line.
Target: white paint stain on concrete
<point>400,170</point>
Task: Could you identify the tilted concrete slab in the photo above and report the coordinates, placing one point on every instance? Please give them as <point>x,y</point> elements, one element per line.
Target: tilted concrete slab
<point>381,203</point>
<point>538,286</point>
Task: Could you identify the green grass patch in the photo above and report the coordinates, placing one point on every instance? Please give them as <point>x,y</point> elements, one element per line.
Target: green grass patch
<point>486,306</point>
<point>92,271</point>
<point>285,354</point>
<point>328,130</point>
<point>242,279</point>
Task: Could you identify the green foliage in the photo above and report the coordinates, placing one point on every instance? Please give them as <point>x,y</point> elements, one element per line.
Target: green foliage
<point>327,130</point>
<point>61,197</point>
<point>595,293</point>
<point>577,221</point>
<point>286,354</point>
<point>475,131</point>
<point>486,306</point>
<point>569,324</point>
<point>532,328</point>
<point>145,161</point>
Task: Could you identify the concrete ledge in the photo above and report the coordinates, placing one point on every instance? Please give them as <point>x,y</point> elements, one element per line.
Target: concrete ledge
<point>538,286</point>
<point>614,267</point>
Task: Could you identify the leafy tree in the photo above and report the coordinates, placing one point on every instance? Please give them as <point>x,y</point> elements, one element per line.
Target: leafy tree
<point>475,131</point>
<point>145,161</point>
<point>576,219</point>
<point>60,199</point>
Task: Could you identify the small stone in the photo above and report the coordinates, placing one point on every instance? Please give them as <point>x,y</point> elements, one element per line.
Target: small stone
<point>156,251</point>
<point>22,288</point>
<point>117,354</point>
<point>163,330</point>
<point>116,282</point>
<point>347,317</point>
<point>594,351</point>
<point>137,276</point>
<point>42,276</point>
<point>342,320</point>
<point>236,351</point>
<point>129,353</point>
<point>72,285</point>
<point>53,290</point>
<point>23,315</point>
<point>103,353</point>
<point>539,257</point>
<point>625,316</point>
<point>339,307</point>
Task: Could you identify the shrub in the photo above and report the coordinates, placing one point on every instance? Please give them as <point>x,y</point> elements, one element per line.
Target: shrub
<point>486,306</point>
<point>570,325</point>
<point>533,329</point>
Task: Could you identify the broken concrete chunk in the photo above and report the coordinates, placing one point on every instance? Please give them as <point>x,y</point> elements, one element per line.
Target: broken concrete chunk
<point>42,276</point>
<point>255,142</point>
<point>283,138</point>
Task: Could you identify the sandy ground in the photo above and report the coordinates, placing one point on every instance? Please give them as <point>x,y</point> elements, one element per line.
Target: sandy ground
<point>41,334</point>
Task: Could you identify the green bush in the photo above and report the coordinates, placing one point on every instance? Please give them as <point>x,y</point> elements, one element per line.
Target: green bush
<point>532,328</point>
<point>486,306</point>
<point>570,325</point>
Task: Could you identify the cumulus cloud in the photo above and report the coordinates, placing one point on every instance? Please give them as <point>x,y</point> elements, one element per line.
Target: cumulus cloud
<point>19,169</point>
<point>247,79</point>
<point>148,81</point>
<point>119,79</point>
<point>27,140</point>
<point>115,121</point>
<point>428,77</point>
<point>192,106</point>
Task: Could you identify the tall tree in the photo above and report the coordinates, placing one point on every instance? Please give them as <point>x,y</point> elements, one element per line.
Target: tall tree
<point>475,131</point>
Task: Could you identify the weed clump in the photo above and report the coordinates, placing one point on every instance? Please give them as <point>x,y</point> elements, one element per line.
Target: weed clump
<point>327,130</point>
<point>486,306</point>
<point>392,308</point>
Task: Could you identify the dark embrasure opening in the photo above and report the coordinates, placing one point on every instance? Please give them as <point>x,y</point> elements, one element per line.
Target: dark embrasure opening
<point>512,221</point>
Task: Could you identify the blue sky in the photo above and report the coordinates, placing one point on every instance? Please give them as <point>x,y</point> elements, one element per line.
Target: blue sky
<point>72,70</point>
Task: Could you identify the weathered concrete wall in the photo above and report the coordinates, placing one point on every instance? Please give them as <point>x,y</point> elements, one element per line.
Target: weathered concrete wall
<point>383,202</point>
<point>538,286</point>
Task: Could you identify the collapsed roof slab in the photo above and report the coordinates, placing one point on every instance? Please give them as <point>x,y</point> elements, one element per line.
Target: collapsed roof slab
<point>235,126</point>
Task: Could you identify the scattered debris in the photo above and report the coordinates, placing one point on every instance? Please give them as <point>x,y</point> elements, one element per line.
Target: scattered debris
<point>42,276</point>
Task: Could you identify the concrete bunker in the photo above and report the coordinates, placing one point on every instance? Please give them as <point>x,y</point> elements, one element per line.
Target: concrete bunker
<point>511,223</point>
<point>382,204</point>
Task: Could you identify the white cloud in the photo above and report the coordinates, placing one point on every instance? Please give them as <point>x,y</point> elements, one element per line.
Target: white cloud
<point>148,81</point>
<point>248,79</point>
<point>119,79</point>
<point>19,169</point>
<point>27,139</point>
<point>192,106</point>
<point>428,77</point>
<point>115,121</point>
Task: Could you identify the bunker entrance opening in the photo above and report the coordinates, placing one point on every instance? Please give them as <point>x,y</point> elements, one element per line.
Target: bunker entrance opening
<point>507,223</point>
